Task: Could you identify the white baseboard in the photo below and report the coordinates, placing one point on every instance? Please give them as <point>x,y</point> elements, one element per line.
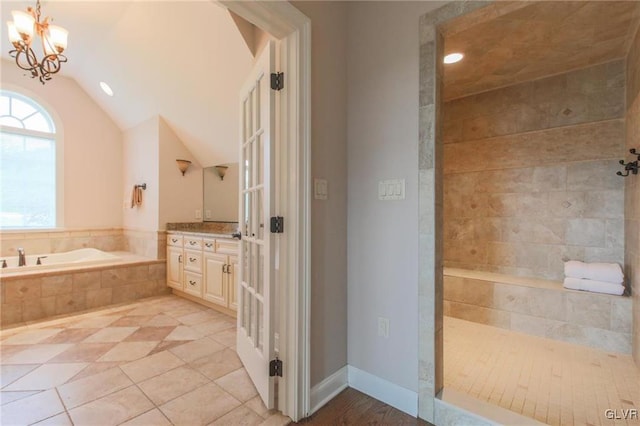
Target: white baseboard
<point>327,389</point>
<point>383,390</point>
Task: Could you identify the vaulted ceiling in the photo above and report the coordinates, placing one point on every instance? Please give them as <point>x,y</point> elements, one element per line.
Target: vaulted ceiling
<point>512,42</point>
<point>182,60</point>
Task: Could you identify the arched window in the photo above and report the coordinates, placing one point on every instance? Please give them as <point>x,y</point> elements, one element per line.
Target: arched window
<point>27,164</point>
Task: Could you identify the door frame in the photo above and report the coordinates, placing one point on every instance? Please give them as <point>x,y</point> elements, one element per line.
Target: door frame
<point>292,29</point>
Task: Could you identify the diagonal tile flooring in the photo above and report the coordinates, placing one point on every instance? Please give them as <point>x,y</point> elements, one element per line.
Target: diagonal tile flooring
<point>161,361</point>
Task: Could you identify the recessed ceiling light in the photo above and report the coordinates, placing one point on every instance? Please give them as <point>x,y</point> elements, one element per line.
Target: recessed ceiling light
<point>452,58</point>
<point>106,89</point>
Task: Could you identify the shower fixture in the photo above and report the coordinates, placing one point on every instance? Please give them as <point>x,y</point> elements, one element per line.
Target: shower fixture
<point>632,166</point>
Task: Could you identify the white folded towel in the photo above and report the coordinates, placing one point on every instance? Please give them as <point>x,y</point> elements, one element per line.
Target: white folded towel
<point>593,286</point>
<point>607,272</point>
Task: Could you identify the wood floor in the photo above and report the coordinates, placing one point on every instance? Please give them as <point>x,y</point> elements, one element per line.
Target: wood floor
<point>352,407</point>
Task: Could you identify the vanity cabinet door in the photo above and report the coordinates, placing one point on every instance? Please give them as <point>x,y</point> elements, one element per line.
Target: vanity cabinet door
<point>174,267</point>
<point>215,267</point>
<point>233,282</point>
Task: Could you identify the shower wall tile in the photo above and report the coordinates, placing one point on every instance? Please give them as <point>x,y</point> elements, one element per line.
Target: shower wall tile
<point>540,187</point>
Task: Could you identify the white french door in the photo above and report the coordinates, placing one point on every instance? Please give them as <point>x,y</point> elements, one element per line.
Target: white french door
<point>256,285</point>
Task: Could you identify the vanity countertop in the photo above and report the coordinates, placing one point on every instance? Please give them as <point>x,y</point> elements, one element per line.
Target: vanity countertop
<point>203,234</point>
<point>210,228</point>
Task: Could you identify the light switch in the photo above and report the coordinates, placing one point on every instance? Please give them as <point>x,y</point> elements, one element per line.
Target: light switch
<point>320,189</point>
<point>198,214</point>
<point>391,189</point>
<point>207,214</point>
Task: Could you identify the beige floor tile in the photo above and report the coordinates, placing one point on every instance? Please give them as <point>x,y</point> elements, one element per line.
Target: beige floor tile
<point>161,320</point>
<point>200,406</point>
<point>241,416</point>
<point>238,384</point>
<point>83,352</point>
<point>71,335</point>
<point>277,419</point>
<point>196,349</point>
<point>11,373</point>
<point>226,337</point>
<point>150,334</point>
<point>36,354</point>
<point>167,345</point>
<point>111,334</point>
<point>150,366</point>
<point>184,332</point>
<point>112,409</point>
<point>182,311</point>
<point>61,419</point>
<point>29,337</point>
<point>131,320</point>
<point>217,364</point>
<point>150,418</point>
<point>128,351</point>
<point>94,322</point>
<point>7,397</point>
<point>95,368</point>
<point>147,310</point>
<point>31,409</point>
<point>258,407</point>
<point>87,389</point>
<point>46,376</point>
<point>172,384</point>
<point>214,326</point>
<point>196,318</point>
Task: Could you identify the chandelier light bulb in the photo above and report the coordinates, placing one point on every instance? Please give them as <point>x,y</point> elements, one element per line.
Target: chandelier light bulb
<point>14,35</point>
<point>58,37</point>
<point>24,23</point>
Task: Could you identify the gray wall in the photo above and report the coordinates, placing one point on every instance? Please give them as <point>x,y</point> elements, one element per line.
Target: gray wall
<point>328,161</point>
<point>530,174</point>
<point>383,70</point>
<point>632,191</point>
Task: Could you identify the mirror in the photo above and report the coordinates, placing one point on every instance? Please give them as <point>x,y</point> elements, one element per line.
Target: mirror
<point>220,203</point>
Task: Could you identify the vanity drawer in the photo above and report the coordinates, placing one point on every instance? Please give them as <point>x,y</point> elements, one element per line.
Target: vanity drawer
<point>193,261</point>
<point>227,247</point>
<point>209,245</point>
<point>193,243</point>
<point>193,283</point>
<point>174,240</point>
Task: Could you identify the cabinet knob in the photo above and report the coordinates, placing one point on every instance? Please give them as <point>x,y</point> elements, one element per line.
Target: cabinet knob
<point>180,258</point>
<point>175,240</point>
<point>224,268</point>
<point>193,243</point>
<point>192,259</point>
<point>208,245</point>
<point>192,282</point>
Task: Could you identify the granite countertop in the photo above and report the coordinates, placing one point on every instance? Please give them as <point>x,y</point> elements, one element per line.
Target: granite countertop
<point>203,234</point>
<point>223,229</point>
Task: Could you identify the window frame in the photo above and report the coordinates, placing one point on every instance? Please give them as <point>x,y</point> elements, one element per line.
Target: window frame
<point>58,139</point>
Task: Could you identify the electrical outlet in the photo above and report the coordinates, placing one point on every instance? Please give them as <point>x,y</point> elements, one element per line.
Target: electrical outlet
<point>207,214</point>
<point>198,214</point>
<point>383,327</point>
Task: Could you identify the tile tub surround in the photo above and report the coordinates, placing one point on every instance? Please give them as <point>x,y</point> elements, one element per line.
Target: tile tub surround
<point>632,190</point>
<point>150,244</point>
<point>541,186</point>
<point>59,241</point>
<point>539,307</point>
<point>45,294</point>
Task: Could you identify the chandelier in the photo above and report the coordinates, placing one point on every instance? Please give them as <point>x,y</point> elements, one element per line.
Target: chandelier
<point>53,38</point>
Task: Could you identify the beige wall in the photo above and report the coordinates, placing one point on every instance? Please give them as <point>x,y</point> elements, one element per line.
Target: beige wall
<point>530,174</point>
<point>632,190</point>
<point>328,161</point>
<point>92,149</point>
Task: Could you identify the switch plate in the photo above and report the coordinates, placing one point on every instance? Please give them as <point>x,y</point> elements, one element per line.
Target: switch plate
<point>383,327</point>
<point>207,214</point>
<point>198,214</point>
<point>391,189</point>
<point>320,189</point>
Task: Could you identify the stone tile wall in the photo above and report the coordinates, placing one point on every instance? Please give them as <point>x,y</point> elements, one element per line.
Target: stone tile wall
<point>26,299</point>
<point>151,244</point>
<point>596,320</point>
<point>530,174</point>
<point>61,241</point>
<point>632,190</point>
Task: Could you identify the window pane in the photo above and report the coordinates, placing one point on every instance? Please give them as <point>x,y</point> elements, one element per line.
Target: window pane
<point>21,109</point>
<point>37,122</point>
<point>27,182</point>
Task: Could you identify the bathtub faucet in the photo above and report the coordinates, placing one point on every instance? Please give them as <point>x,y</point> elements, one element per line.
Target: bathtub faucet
<point>22,261</point>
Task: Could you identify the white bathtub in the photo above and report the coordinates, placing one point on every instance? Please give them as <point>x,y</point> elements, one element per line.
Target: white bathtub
<point>85,256</point>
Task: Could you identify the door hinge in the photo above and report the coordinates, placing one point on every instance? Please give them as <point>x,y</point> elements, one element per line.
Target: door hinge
<point>277,80</point>
<point>277,225</point>
<point>275,368</point>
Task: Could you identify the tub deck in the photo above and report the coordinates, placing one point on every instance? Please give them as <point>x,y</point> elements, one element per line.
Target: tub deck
<point>539,307</point>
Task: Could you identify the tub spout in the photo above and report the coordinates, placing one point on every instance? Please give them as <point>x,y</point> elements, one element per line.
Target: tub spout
<point>22,261</point>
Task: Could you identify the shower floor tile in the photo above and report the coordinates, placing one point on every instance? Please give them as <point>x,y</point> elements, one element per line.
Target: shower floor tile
<point>554,382</point>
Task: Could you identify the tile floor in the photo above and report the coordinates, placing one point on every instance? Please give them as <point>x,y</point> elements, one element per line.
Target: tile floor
<point>162,361</point>
<point>554,382</point>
